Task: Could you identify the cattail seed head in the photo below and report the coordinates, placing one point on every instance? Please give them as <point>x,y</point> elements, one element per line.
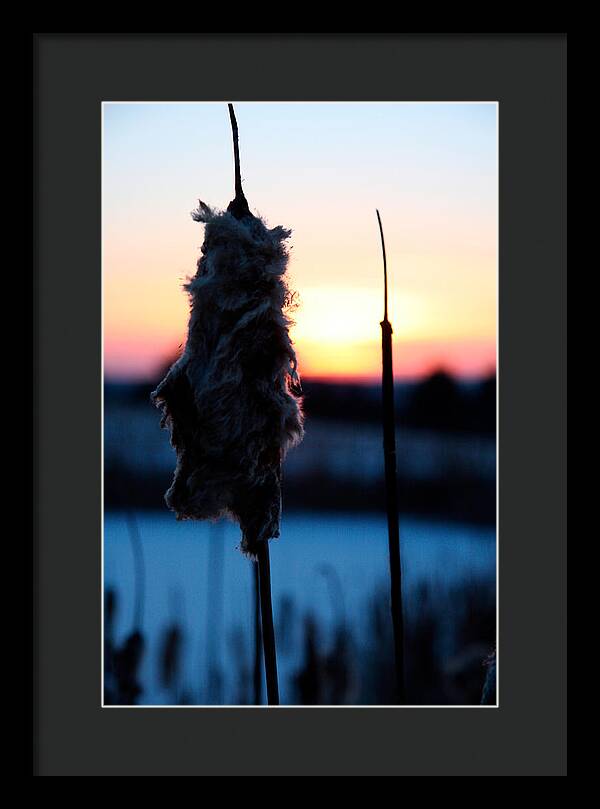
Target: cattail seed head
<point>231,400</point>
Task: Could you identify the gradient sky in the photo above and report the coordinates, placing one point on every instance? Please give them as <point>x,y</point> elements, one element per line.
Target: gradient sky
<point>320,169</point>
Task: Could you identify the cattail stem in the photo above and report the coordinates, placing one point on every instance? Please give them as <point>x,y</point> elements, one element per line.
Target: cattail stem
<point>258,651</point>
<point>238,207</point>
<point>236,151</point>
<point>268,632</point>
<point>391,485</point>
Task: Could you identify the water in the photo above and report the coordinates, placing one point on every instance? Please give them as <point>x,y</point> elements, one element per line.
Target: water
<point>327,565</point>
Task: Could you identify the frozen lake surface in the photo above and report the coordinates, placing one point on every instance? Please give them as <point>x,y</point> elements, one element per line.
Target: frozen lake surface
<point>328,565</point>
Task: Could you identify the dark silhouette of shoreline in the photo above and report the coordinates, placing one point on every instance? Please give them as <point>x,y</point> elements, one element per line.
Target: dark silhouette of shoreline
<point>446,449</point>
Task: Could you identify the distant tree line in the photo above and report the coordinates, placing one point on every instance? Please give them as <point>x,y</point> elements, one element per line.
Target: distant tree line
<point>440,402</point>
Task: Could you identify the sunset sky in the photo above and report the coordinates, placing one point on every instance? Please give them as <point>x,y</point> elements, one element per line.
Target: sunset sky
<point>320,169</point>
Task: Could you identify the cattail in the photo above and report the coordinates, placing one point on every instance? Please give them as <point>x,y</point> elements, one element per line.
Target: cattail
<point>231,401</point>
<point>391,485</point>
<point>257,666</point>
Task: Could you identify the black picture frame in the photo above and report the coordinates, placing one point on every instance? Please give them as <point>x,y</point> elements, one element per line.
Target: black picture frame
<point>72,75</point>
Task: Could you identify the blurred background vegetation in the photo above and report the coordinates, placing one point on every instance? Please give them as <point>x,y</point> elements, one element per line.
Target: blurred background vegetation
<point>179,601</point>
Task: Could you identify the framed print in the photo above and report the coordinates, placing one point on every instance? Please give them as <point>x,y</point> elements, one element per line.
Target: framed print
<point>349,531</point>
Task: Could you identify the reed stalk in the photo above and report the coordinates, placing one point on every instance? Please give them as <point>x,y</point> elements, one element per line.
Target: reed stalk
<point>139,568</point>
<point>238,207</point>
<point>258,651</point>
<point>268,631</point>
<point>391,484</point>
<point>214,610</point>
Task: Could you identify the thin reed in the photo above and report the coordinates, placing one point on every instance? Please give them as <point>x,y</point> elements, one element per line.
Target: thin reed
<point>391,484</point>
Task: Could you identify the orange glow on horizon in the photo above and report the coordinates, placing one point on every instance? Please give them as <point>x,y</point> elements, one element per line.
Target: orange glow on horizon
<point>336,362</point>
<point>412,359</point>
<point>336,332</point>
<point>431,170</point>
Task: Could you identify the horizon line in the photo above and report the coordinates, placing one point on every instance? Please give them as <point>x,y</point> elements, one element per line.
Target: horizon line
<point>366,380</point>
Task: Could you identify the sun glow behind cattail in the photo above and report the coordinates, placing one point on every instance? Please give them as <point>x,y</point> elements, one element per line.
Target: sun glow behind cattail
<point>324,167</point>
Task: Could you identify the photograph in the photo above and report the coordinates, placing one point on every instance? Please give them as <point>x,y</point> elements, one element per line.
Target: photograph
<point>299,404</point>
